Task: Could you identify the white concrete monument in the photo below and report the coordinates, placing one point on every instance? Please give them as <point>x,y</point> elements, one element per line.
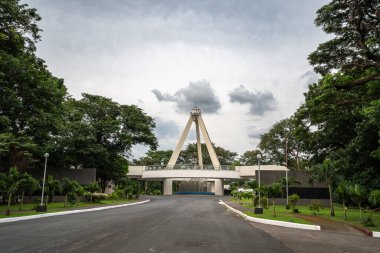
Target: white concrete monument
<point>196,117</point>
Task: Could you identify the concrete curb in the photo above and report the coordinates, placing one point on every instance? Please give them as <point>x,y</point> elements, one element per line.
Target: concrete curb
<point>376,234</point>
<point>271,222</point>
<point>37,216</point>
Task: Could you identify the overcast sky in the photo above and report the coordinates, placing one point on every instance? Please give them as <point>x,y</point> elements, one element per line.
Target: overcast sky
<point>244,63</point>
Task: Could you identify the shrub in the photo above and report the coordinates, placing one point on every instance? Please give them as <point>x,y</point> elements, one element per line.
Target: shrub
<point>247,195</point>
<point>314,206</point>
<point>97,196</point>
<point>156,192</point>
<point>118,193</point>
<point>368,221</point>
<point>293,201</point>
<point>72,198</point>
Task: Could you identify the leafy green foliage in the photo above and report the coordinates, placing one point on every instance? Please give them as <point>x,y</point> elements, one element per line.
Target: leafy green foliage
<point>326,172</point>
<point>355,46</point>
<point>374,198</point>
<point>250,158</point>
<point>70,188</point>
<point>51,187</point>
<point>100,133</point>
<point>154,157</point>
<point>293,199</point>
<point>11,183</point>
<point>357,193</point>
<point>190,153</point>
<point>315,206</point>
<point>30,96</point>
<point>287,133</point>
<point>274,190</point>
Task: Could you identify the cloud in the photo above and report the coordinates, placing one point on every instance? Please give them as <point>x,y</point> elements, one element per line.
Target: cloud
<point>259,102</point>
<point>310,77</point>
<point>197,93</point>
<point>166,128</point>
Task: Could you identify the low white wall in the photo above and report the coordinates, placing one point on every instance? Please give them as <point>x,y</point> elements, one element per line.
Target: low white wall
<point>135,171</point>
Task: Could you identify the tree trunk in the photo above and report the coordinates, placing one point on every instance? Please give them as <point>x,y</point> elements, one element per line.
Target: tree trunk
<point>64,203</point>
<point>22,200</point>
<point>91,198</point>
<point>298,163</point>
<point>8,212</point>
<point>360,211</point>
<point>274,208</point>
<point>332,213</point>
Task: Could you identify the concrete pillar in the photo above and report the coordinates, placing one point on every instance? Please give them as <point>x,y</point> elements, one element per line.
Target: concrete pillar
<point>168,186</point>
<point>219,187</point>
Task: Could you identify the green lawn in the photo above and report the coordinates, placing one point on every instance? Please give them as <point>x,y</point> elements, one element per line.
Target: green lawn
<point>353,216</point>
<point>28,209</point>
<point>280,216</point>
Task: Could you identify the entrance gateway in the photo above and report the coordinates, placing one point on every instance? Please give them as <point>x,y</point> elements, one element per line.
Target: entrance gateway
<point>198,177</point>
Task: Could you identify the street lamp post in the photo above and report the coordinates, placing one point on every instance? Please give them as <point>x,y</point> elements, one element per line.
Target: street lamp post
<point>42,207</point>
<point>259,210</point>
<point>286,172</point>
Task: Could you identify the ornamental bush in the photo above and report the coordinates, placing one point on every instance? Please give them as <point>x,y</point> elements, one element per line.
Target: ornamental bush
<point>314,206</point>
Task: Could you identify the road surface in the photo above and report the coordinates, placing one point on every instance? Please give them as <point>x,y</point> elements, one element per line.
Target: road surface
<point>166,224</point>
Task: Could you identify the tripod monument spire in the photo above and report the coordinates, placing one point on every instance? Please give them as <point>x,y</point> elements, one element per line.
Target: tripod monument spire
<point>196,117</point>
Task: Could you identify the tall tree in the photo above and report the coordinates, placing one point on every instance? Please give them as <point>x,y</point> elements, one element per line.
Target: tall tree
<point>99,133</point>
<point>287,136</point>
<point>354,48</point>
<point>30,96</point>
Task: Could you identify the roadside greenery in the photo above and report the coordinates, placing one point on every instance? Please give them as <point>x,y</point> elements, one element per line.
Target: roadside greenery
<point>29,209</point>
<point>304,211</point>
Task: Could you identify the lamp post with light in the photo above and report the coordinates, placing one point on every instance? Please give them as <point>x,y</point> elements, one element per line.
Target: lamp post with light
<point>42,207</point>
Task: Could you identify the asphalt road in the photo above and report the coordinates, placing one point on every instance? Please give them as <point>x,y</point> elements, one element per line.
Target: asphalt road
<point>166,224</point>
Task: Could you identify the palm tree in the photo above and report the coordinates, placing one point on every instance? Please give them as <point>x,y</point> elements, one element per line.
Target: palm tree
<point>343,191</point>
<point>273,190</point>
<point>68,187</point>
<point>374,197</point>
<point>52,185</point>
<point>357,193</point>
<point>11,182</point>
<point>27,184</point>
<point>92,188</point>
<point>326,172</point>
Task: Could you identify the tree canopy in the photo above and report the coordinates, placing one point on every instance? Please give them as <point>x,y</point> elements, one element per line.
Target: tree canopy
<point>38,116</point>
<point>355,47</point>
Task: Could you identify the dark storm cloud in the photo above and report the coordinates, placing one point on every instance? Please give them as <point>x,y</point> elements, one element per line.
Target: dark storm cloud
<point>259,102</point>
<point>195,94</point>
